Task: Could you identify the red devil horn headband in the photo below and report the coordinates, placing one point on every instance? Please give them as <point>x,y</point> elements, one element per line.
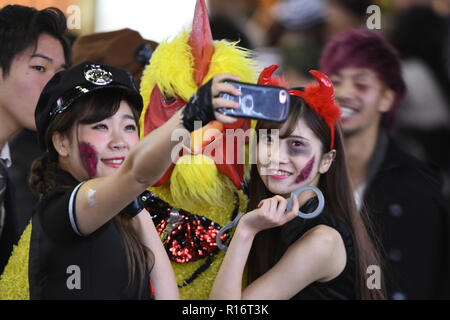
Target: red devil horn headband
<point>319,96</point>
<point>268,79</point>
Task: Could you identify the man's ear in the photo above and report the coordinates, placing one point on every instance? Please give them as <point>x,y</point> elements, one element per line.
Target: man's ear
<point>60,143</point>
<point>327,161</point>
<point>386,100</point>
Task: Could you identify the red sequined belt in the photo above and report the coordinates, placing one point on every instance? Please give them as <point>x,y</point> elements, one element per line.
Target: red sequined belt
<point>187,237</point>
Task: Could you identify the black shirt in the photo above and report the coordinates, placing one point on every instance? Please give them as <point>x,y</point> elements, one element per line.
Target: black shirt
<point>9,235</point>
<point>342,287</point>
<point>65,265</point>
<point>405,202</point>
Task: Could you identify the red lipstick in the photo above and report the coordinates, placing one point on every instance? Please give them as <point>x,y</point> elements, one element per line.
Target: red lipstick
<point>115,162</point>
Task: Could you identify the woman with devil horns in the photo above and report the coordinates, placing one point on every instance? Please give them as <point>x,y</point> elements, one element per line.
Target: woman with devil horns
<point>326,257</point>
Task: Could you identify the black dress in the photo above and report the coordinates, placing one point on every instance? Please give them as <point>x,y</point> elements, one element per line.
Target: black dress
<point>342,287</point>
<point>65,265</point>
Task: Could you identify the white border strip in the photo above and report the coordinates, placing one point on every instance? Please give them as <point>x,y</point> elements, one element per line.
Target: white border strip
<point>71,210</point>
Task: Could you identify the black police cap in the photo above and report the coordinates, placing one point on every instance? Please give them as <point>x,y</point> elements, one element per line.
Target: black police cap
<point>67,86</point>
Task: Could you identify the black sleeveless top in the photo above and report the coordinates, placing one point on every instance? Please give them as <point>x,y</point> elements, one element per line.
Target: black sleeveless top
<point>343,287</point>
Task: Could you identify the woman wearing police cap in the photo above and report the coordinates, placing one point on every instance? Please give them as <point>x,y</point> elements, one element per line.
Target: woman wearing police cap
<point>91,238</point>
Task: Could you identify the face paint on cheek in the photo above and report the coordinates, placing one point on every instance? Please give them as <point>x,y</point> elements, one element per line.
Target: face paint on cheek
<point>89,158</point>
<point>306,171</point>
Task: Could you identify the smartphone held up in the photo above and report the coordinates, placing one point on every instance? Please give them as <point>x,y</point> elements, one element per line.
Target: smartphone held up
<point>267,103</point>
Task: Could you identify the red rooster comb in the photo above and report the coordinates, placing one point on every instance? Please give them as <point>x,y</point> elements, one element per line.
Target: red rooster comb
<point>201,42</point>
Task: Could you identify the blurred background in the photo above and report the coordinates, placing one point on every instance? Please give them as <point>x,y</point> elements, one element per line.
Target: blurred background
<point>292,33</point>
<point>277,29</point>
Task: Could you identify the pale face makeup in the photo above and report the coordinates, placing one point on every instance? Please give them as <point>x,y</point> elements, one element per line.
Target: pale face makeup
<point>293,163</point>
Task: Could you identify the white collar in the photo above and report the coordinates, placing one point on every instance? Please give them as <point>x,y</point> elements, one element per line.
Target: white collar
<point>6,155</point>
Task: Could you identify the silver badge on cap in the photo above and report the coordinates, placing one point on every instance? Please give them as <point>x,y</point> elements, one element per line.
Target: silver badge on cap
<point>98,76</point>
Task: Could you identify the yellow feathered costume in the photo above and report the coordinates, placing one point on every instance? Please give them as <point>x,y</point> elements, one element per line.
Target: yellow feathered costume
<point>14,279</point>
<point>196,184</point>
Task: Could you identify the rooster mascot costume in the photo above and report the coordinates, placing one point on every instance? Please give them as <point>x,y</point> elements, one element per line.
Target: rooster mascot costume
<point>199,194</point>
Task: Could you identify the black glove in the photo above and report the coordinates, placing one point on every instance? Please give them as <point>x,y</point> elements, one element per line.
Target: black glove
<point>199,108</point>
<point>137,205</point>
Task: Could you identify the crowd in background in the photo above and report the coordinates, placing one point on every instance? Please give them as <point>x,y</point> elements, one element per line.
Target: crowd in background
<point>293,33</point>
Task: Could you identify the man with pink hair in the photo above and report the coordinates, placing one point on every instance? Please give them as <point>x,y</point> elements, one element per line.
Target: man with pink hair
<point>402,195</point>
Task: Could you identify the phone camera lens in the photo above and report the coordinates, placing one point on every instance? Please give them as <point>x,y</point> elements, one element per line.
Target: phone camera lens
<point>247,101</point>
<point>283,96</point>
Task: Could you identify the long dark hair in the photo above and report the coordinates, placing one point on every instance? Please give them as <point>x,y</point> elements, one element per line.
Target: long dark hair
<point>90,108</point>
<point>335,185</point>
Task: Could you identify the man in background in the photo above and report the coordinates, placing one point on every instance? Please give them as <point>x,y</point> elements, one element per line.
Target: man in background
<point>402,195</point>
<point>33,49</point>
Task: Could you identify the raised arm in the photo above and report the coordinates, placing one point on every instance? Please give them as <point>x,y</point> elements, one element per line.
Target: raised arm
<point>319,255</point>
<point>269,214</point>
<point>100,199</point>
